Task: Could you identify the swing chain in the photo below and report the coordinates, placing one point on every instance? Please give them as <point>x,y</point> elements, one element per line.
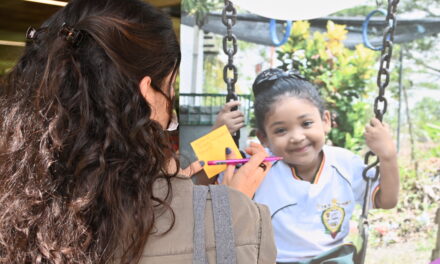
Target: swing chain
<point>380,107</point>
<point>383,79</point>
<point>383,76</point>
<point>229,17</point>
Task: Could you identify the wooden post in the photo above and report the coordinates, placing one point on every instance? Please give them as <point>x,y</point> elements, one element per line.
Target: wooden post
<point>436,251</point>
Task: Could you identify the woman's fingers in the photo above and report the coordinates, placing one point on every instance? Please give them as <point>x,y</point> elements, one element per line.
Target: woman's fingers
<point>192,169</point>
<point>255,148</point>
<point>230,168</point>
<point>257,151</point>
<point>250,175</point>
<point>258,148</point>
<point>257,154</point>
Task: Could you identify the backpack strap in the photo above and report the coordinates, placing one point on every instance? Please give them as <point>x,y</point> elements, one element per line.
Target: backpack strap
<point>200,194</point>
<point>224,233</point>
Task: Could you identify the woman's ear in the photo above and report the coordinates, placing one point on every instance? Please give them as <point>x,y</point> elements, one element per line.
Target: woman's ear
<point>147,90</point>
<point>327,120</point>
<point>152,98</point>
<point>157,101</point>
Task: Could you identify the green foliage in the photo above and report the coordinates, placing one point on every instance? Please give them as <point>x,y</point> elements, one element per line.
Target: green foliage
<point>213,68</point>
<point>199,8</point>
<point>413,218</point>
<point>342,76</point>
<point>213,75</point>
<point>430,8</point>
<point>355,141</point>
<point>355,11</point>
<point>427,123</point>
<point>5,67</point>
<point>411,225</point>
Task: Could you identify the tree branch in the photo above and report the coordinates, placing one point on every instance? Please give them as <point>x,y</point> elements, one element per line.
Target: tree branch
<point>421,62</point>
<point>411,6</point>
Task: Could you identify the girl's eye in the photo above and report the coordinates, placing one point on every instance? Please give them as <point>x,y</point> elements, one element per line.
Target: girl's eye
<point>307,123</point>
<point>279,130</point>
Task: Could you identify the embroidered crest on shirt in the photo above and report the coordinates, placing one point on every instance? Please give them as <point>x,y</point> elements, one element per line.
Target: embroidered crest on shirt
<point>332,217</point>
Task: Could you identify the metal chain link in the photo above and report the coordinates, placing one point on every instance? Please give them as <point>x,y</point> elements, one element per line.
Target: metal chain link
<point>380,103</point>
<point>380,107</point>
<point>229,18</point>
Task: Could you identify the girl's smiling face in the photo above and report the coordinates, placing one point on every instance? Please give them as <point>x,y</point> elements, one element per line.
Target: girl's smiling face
<point>295,130</point>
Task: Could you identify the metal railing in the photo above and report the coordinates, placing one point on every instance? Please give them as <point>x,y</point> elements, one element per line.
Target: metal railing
<point>202,109</point>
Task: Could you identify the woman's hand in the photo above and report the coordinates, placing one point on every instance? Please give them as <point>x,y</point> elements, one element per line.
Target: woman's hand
<point>234,120</point>
<point>248,177</point>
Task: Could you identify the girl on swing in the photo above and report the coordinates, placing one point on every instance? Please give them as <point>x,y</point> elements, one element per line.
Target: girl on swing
<point>312,192</point>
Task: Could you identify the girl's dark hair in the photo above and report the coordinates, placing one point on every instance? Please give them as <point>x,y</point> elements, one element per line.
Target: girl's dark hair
<point>273,84</point>
<point>79,152</point>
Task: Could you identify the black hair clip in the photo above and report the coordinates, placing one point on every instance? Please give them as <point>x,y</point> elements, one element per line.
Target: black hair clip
<point>268,77</point>
<point>295,74</point>
<point>272,75</point>
<point>31,33</point>
<point>72,35</point>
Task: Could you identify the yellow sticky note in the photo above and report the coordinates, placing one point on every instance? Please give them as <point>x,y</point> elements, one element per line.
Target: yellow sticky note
<point>212,147</point>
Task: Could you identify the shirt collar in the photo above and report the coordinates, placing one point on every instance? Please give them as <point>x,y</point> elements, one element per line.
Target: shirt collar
<point>318,172</point>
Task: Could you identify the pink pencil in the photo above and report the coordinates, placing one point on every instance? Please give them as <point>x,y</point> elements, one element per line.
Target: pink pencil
<point>239,161</point>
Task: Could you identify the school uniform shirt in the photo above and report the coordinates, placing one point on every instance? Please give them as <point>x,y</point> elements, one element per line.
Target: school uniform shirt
<point>311,218</point>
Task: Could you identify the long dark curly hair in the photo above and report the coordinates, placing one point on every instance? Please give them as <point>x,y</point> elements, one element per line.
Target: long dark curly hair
<point>79,153</point>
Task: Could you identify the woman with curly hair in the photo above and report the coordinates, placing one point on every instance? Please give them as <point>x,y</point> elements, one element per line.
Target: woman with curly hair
<point>87,174</point>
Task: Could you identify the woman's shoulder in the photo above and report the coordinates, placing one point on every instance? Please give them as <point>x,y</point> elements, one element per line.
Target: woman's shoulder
<point>252,229</point>
<point>250,221</point>
<point>182,189</point>
<point>237,196</point>
<point>178,180</point>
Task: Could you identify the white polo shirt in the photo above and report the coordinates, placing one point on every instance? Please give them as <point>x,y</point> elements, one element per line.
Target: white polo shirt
<point>307,218</point>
